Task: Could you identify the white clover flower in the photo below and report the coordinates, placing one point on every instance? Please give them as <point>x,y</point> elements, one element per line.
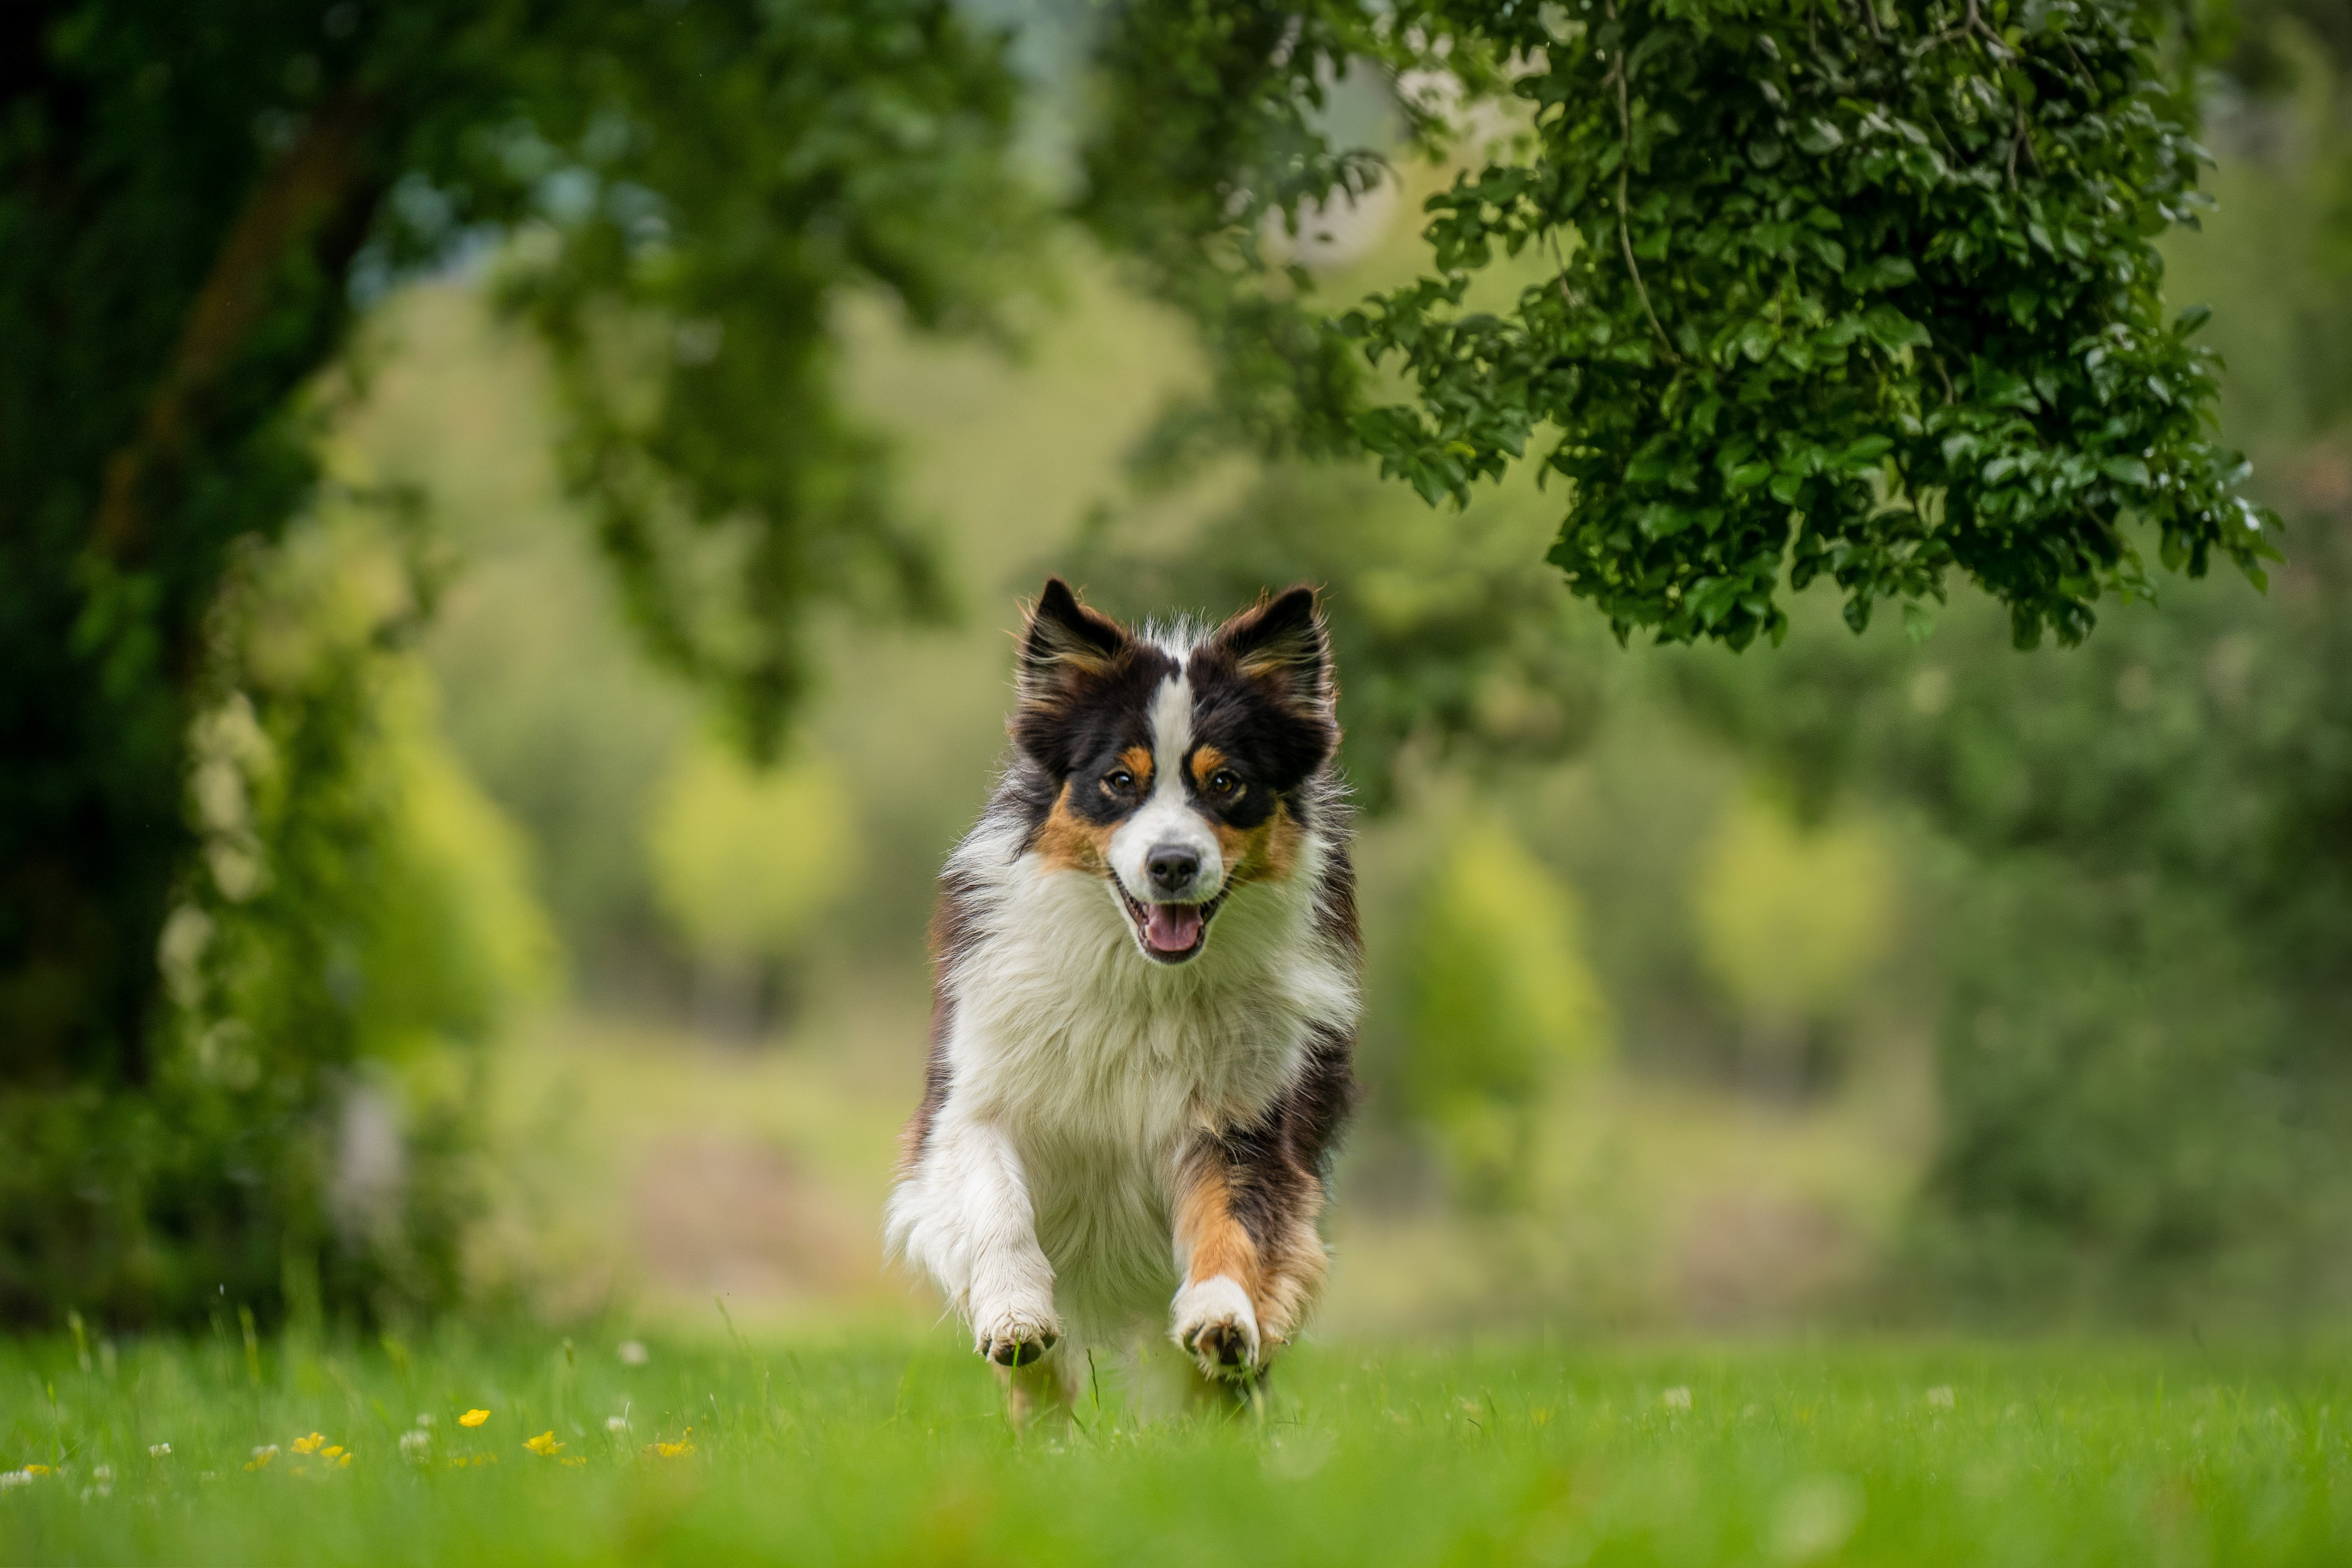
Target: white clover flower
<point>415,1442</point>
<point>634,1353</point>
<point>616,1422</point>
<point>1677,1398</point>
<point>159,1450</point>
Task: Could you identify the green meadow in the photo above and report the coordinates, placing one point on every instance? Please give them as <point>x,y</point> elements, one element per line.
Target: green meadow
<point>805,1452</point>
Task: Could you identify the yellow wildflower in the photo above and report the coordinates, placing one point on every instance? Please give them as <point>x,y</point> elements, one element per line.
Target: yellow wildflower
<point>342,1464</point>
<point>685,1445</point>
<point>473,1418</point>
<point>544,1443</point>
<point>572,1461</point>
<point>331,1451</point>
<point>38,1471</point>
<point>310,1445</point>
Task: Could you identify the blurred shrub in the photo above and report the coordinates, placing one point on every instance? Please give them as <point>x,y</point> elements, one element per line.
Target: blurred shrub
<point>356,922</point>
<point>2138,1121</point>
<point>553,708</point>
<point>745,861</point>
<point>2143,1067</point>
<point>456,921</point>
<point>1504,1004</point>
<point>1789,922</point>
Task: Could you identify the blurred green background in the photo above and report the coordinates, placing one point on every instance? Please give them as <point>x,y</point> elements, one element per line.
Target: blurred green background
<point>1898,979</point>
<point>1854,980</point>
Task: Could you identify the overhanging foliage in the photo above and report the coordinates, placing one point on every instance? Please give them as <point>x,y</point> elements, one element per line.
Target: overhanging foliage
<point>1866,297</point>
<point>1829,288</point>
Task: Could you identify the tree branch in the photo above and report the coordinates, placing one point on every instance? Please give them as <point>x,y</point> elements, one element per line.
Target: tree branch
<point>310,184</point>
<point>1972,23</point>
<point>1624,234</point>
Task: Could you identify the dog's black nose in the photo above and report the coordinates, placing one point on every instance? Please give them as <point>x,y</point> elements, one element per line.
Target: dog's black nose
<point>1171,868</point>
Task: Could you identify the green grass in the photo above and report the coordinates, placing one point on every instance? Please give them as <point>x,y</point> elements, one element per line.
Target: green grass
<point>2076,1454</point>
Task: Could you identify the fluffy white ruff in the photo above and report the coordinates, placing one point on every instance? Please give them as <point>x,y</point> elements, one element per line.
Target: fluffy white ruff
<point>1080,1070</point>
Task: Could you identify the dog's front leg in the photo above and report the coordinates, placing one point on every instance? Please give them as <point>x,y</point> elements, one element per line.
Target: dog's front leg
<point>964,1214</point>
<point>1247,1250</point>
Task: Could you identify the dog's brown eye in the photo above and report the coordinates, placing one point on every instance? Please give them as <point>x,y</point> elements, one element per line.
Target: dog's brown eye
<point>1118,779</point>
<point>1225,781</point>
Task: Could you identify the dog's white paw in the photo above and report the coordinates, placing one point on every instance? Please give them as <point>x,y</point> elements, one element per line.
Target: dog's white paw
<point>1214,1322</point>
<point>1015,1336</point>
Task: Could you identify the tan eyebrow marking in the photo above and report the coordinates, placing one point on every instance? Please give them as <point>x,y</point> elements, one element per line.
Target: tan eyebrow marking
<point>1137,760</point>
<point>1206,760</point>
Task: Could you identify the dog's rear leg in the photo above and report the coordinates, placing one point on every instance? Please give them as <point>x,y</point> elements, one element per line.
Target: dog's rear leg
<point>1038,1393</point>
<point>1250,1256</point>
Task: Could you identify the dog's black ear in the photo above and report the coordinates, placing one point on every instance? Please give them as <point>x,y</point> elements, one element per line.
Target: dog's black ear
<point>1066,646</point>
<point>1281,643</point>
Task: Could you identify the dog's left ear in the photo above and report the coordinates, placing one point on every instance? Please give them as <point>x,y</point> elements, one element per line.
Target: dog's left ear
<point>1281,643</point>
<point>1064,645</point>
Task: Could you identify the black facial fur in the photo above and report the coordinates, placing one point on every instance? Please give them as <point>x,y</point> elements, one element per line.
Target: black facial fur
<point>1086,690</point>
<point>1262,695</point>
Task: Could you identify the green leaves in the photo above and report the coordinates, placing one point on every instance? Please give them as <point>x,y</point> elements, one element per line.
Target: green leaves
<point>1891,329</point>
<point>1871,301</point>
<point>735,195</point>
<point>195,201</point>
<point>1886,272</point>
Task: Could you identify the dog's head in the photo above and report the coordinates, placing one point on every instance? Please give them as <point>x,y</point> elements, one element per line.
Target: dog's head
<point>1175,765</point>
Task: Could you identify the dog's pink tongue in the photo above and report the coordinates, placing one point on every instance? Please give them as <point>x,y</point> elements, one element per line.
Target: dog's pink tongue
<point>1173,928</point>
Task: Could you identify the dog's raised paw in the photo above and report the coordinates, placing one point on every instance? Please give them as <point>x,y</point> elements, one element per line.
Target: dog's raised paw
<point>1017,1338</point>
<point>1215,1325</point>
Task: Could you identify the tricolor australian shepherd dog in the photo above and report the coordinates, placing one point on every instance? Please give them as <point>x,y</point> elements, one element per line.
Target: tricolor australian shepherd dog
<point>1145,1007</point>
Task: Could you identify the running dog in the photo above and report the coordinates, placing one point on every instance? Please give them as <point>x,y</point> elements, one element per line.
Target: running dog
<point>1145,1000</point>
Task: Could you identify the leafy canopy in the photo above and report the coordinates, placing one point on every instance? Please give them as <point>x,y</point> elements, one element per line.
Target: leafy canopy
<point>1824,289</point>
<point>196,204</point>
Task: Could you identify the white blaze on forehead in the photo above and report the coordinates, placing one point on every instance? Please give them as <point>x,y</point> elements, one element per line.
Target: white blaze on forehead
<point>1167,817</point>
<point>1171,734</point>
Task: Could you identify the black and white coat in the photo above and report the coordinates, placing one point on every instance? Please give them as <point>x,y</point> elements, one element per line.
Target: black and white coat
<point>1146,996</point>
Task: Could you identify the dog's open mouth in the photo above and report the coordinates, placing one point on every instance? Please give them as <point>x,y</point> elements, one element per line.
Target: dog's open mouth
<point>1171,933</point>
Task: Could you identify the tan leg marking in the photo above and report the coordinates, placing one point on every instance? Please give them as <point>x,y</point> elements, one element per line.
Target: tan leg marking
<point>1241,1300</point>
<point>1214,1240</point>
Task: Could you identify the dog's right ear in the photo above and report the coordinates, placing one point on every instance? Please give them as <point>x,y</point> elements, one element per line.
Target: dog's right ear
<point>1065,647</point>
